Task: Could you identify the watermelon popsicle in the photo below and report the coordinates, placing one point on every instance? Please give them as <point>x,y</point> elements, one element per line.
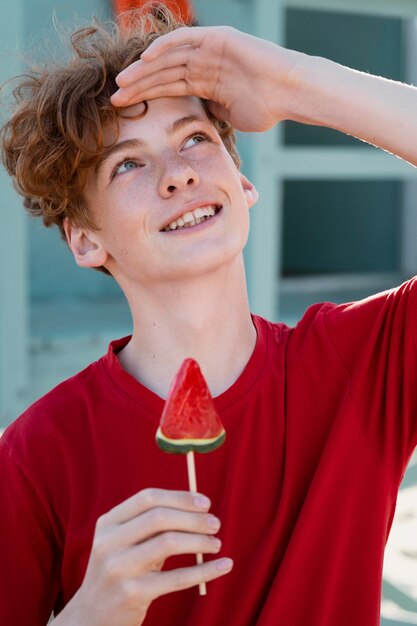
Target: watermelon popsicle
<point>190,423</point>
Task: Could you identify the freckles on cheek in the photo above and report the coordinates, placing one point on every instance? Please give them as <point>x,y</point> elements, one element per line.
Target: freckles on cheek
<point>123,229</point>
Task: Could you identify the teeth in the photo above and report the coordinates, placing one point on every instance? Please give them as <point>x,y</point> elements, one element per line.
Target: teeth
<point>188,217</point>
<point>191,218</point>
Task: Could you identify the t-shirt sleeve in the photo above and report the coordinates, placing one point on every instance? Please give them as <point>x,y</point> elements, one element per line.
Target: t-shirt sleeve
<point>29,578</point>
<point>376,339</point>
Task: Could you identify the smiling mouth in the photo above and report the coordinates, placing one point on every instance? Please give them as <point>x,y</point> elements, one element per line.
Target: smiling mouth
<point>192,218</point>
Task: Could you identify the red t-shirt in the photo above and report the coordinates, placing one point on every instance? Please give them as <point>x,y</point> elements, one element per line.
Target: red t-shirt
<point>320,426</point>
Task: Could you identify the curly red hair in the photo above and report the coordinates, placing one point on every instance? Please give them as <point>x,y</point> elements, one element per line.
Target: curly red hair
<point>55,133</point>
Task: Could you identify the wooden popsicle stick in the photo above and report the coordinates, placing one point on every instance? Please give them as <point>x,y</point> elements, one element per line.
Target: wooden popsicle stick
<point>192,481</point>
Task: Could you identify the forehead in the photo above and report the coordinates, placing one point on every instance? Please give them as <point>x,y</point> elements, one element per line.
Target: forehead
<point>160,114</point>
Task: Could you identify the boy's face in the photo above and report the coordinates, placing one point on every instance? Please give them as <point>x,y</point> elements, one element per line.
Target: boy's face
<point>164,166</point>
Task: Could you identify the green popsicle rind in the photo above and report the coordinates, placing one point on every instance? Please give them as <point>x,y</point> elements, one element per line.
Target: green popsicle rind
<point>182,446</point>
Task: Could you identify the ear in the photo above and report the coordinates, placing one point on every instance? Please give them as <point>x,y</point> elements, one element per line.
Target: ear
<point>84,245</point>
<point>250,192</point>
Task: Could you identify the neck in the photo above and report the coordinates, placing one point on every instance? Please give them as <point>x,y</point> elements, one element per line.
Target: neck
<point>206,318</point>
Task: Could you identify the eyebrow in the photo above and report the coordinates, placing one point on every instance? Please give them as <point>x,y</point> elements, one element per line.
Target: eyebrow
<point>131,144</point>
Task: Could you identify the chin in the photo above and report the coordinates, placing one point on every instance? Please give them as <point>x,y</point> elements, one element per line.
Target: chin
<point>219,262</point>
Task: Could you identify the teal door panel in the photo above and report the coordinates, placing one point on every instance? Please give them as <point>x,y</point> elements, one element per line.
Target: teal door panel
<point>341,226</point>
<point>365,43</point>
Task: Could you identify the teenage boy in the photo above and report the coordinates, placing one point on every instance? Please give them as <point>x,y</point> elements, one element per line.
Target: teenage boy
<point>321,420</point>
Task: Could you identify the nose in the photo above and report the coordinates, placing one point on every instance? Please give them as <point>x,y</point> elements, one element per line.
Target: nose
<point>177,176</point>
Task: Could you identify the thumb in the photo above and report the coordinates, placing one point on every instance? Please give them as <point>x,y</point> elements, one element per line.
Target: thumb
<point>218,110</point>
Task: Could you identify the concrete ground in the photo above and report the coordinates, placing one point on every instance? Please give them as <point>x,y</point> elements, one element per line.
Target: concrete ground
<point>399,604</point>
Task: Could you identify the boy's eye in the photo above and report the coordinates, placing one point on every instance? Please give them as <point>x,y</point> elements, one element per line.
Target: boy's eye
<point>198,137</point>
<point>124,166</point>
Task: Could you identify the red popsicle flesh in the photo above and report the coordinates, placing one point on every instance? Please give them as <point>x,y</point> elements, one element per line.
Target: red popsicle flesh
<point>189,421</point>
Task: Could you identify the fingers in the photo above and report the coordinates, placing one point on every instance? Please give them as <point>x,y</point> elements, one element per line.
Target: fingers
<point>160,520</point>
<point>184,62</point>
<point>184,36</point>
<point>140,69</point>
<point>151,554</point>
<point>163,82</point>
<point>162,76</point>
<point>169,74</point>
<point>218,110</point>
<point>179,88</point>
<point>150,498</point>
<point>184,578</point>
<point>155,584</point>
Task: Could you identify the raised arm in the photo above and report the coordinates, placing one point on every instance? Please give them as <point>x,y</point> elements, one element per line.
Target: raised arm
<point>255,84</point>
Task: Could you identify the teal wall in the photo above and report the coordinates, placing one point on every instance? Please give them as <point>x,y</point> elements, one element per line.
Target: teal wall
<point>52,271</point>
